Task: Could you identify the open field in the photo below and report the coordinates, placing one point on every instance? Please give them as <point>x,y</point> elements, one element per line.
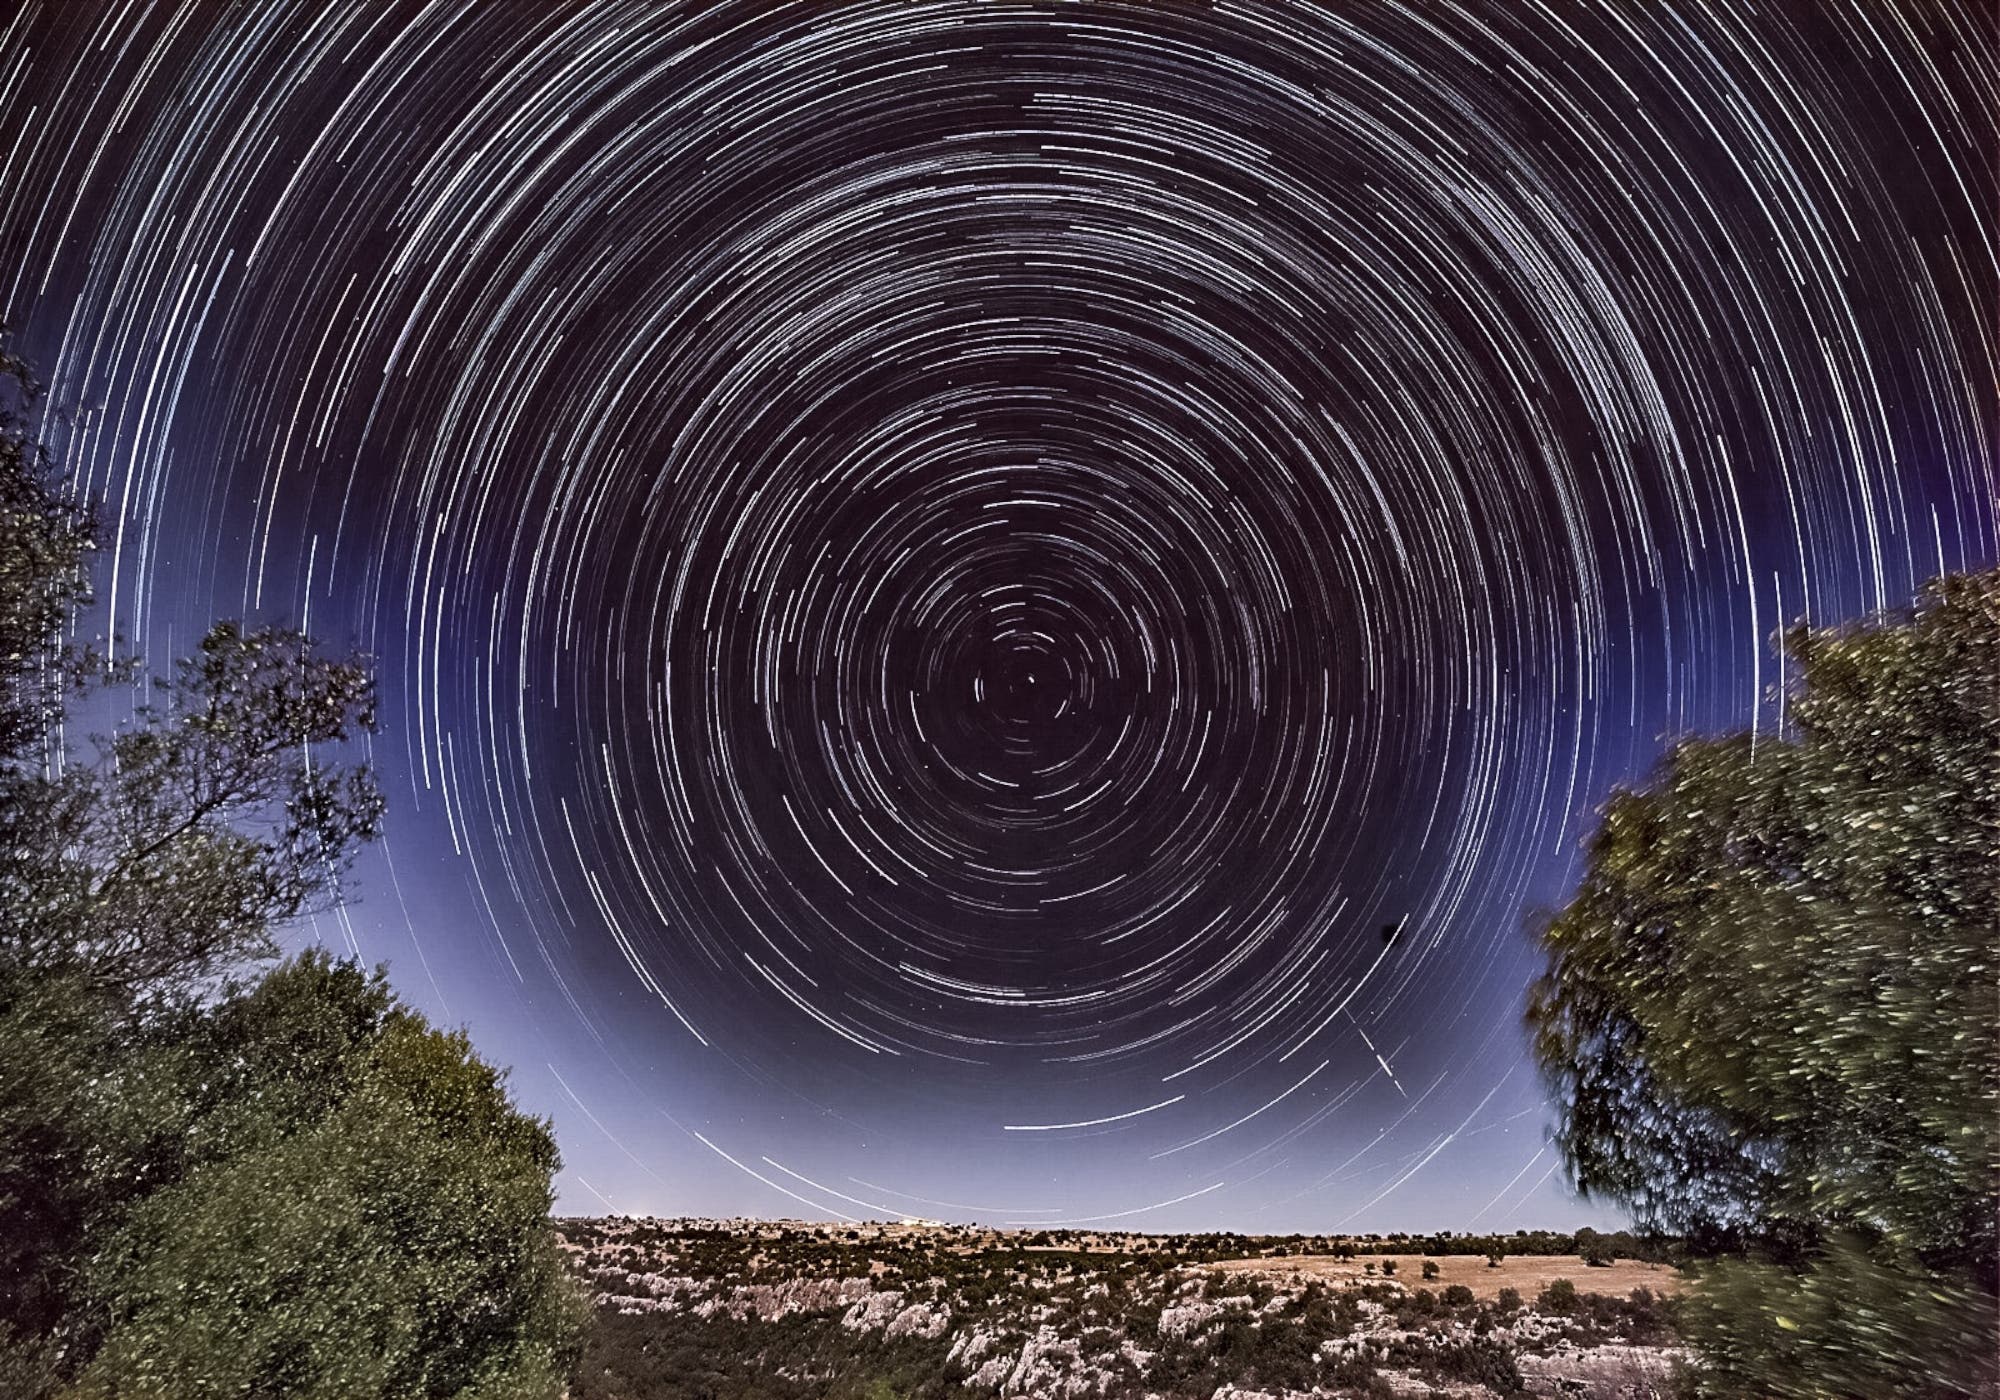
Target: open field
<point>1527,1274</point>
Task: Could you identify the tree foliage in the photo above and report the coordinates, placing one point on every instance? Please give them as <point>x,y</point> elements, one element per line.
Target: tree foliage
<point>169,853</point>
<point>362,1213</point>
<point>45,545</point>
<point>1769,1011</point>
<point>217,1178</point>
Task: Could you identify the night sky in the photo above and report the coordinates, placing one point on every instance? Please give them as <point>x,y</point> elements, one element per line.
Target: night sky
<point>941,570</point>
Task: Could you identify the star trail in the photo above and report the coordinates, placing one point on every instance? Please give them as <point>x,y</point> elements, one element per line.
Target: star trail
<point>1000,610</point>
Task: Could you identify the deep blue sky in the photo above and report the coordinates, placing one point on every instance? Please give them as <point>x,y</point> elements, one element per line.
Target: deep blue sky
<point>941,570</point>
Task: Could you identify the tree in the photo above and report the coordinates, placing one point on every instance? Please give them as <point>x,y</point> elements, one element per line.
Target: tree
<point>1494,1255</point>
<point>1768,1012</point>
<point>215,1182</point>
<point>1430,1269</point>
<point>131,873</point>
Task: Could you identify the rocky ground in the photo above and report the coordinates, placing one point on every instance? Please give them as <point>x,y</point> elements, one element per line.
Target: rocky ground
<point>789,1310</point>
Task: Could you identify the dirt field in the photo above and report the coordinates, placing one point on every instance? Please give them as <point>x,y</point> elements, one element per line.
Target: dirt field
<point>1526,1273</point>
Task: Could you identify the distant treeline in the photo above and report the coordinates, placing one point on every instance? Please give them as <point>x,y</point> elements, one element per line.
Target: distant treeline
<point>1620,1244</point>
<point>1203,1247</point>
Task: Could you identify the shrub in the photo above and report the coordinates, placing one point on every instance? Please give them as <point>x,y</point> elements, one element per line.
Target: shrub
<point>1480,1363</point>
<point>375,1226</point>
<point>1559,1297</point>
<point>1846,1325</point>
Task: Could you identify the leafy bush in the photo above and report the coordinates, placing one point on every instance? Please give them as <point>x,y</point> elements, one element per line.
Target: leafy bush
<point>1559,1297</point>
<point>1844,1324</point>
<point>365,1216</point>
<point>1478,1363</point>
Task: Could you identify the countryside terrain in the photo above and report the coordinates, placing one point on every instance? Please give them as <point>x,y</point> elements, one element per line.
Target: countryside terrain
<point>791,1310</point>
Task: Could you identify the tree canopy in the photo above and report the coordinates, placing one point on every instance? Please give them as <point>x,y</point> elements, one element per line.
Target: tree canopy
<point>1769,1010</point>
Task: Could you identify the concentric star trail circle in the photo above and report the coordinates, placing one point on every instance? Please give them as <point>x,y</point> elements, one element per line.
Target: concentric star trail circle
<point>971,559</point>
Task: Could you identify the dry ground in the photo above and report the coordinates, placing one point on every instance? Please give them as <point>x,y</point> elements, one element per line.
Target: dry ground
<point>1526,1273</point>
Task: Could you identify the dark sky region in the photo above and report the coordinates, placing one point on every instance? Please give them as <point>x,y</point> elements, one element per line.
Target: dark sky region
<point>940,569</point>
